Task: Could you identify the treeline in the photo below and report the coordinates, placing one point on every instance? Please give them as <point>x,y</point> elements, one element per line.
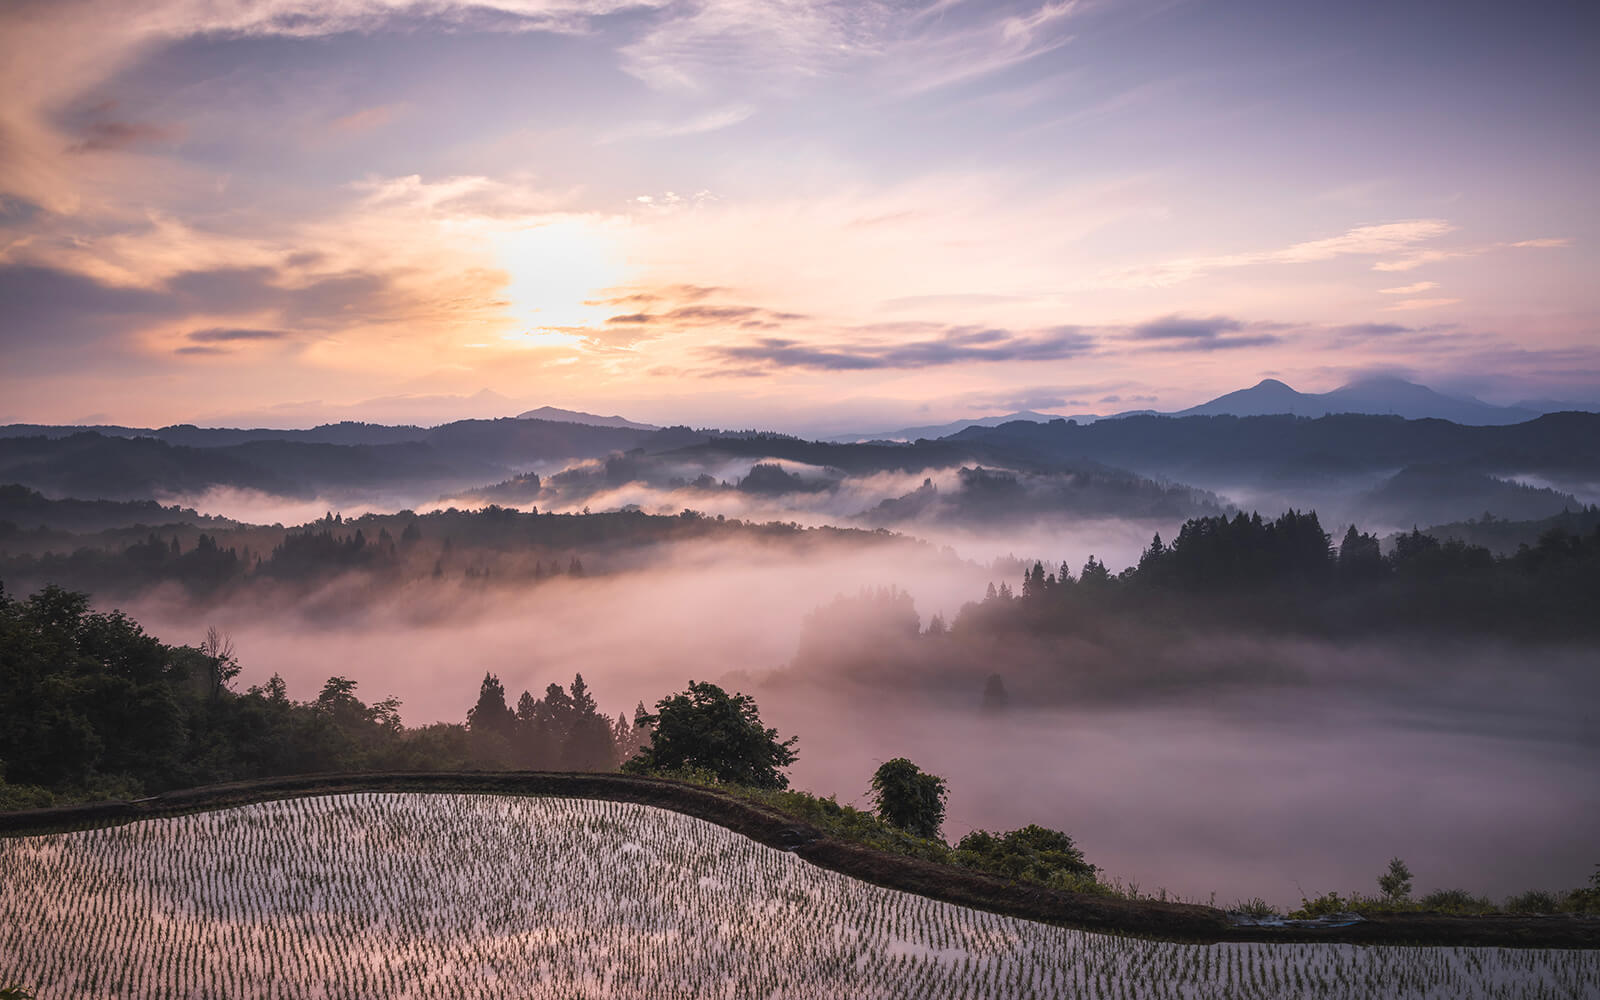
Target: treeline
<point>494,543</point>
<point>561,731</point>
<point>92,707</point>
<point>1288,572</point>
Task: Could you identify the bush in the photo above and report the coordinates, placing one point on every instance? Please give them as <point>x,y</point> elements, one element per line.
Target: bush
<point>1033,853</point>
<point>1258,908</point>
<point>909,797</point>
<point>1326,905</point>
<point>1456,901</point>
<point>1533,901</point>
<point>1584,900</point>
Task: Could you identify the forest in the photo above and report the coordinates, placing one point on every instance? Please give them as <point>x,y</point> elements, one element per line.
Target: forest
<point>92,707</point>
<point>1286,574</point>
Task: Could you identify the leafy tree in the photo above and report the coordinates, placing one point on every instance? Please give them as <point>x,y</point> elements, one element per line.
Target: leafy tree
<point>705,727</point>
<point>1033,852</point>
<point>909,797</point>
<point>1395,884</point>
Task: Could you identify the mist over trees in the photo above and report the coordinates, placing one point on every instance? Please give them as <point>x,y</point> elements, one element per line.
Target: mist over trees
<point>93,707</point>
<point>1286,574</point>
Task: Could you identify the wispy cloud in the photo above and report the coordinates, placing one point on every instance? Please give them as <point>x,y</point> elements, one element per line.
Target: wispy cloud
<point>1411,304</point>
<point>953,346</point>
<point>1210,333</point>
<point>711,121</point>
<point>1370,240</point>
<point>1415,259</point>
<point>1421,286</point>
<point>219,334</point>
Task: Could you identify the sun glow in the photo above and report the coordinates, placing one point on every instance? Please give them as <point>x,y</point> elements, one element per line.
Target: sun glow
<point>554,268</point>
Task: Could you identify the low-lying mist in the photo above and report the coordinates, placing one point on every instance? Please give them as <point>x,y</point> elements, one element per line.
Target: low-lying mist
<point>1236,764</point>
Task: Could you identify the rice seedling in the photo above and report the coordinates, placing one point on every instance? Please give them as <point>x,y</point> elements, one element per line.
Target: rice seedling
<point>445,896</point>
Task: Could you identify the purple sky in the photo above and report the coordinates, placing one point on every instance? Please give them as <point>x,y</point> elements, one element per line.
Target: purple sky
<point>797,214</point>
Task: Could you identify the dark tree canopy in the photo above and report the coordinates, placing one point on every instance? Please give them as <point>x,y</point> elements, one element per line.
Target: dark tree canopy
<point>1033,852</point>
<point>909,797</point>
<point>705,727</point>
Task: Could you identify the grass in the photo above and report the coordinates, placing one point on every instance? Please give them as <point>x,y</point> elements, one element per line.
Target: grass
<point>867,829</point>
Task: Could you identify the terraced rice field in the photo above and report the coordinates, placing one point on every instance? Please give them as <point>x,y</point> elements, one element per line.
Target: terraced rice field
<point>454,896</point>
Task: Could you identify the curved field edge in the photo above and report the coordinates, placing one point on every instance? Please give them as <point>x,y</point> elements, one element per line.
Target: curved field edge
<point>1145,918</point>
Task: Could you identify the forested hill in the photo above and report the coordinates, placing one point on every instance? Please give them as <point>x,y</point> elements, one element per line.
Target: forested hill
<point>1299,446</point>
<point>466,453</point>
<point>1287,574</point>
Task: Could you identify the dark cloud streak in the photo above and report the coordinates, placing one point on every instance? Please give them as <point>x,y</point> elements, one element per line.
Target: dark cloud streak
<point>955,346</point>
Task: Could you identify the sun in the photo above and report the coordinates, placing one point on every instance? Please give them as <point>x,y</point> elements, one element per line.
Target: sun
<point>557,268</point>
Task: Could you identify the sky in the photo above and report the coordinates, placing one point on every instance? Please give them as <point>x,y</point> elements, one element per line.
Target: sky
<point>797,214</point>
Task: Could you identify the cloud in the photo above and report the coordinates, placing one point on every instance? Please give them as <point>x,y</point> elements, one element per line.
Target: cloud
<point>1408,304</point>
<point>1383,238</point>
<point>954,346</point>
<point>710,121</point>
<point>708,316</point>
<point>226,335</point>
<point>1180,328</point>
<point>106,136</point>
<point>748,47</point>
<point>1421,286</point>
<point>1414,260</point>
<point>1367,330</point>
<point>1210,333</point>
<point>45,306</point>
<point>364,120</point>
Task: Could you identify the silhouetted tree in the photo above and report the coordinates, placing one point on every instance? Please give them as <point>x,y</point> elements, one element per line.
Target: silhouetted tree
<point>909,797</point>
<point>588,745</point>
<point>705,727</point>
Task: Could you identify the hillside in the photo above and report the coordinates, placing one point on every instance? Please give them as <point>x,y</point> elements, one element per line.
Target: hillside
<point>1206,449</point>
<point>729,859</point>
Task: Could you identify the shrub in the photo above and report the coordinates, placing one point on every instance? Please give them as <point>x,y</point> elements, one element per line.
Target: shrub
<point>1256,907</point>
<point>1034,853</point>
<point>909,797</point>
<point>1325,905</point>
<point>1533,901</point>
<point>1457,901</point>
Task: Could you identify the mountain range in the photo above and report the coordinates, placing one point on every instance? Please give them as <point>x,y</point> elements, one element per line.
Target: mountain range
<point>1384,395</point>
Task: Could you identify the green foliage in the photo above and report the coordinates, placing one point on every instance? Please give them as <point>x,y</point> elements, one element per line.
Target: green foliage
<point>705,727</point>
<point>1255,907</point>
<point>909,798</point>
<point>1586,900</point>
<point>1033,853</point>
<point>1284,574</point>
<point>1395,884</point>
<point>92,708</point>
<point>15,991</point>
<point>1534,901</point>
<point>1326,905</point>
<point>1459,902</point>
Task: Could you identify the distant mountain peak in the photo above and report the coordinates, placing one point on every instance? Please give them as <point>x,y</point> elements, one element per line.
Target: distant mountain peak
<point>1377,394</point>
<point>560,416</point>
